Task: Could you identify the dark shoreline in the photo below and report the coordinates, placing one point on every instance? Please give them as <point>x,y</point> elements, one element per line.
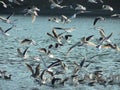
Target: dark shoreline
<point>54,12</point>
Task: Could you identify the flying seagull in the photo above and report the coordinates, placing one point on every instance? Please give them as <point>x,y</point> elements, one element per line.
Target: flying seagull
<point>107,7</point>
<point>97,19</point>
<point>35,73</point>
<point>4,32</point>
<point>7,20</point>
<point>33,12</point>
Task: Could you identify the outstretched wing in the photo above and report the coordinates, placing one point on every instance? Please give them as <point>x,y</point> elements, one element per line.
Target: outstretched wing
<point>37,72</point>
<point>8,29</point>
<point>25,51</point>
<point>30,68</point>
<point>10,15</point>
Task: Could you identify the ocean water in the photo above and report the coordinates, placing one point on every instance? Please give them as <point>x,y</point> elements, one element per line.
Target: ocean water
<point>106,60</point>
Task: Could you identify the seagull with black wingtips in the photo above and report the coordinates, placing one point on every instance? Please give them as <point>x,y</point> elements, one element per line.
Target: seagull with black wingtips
<point>32,11</point>
<point>7,19</point>
<point>22,54</point>
<point>104,39</point>
<point>27,41</point>
<point>55,36</point>
<point>35,73</point>
<point>84,41</point>
<point>4,32</point>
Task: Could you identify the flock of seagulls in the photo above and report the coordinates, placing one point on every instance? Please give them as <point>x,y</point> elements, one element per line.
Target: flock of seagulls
<point>56,71</point>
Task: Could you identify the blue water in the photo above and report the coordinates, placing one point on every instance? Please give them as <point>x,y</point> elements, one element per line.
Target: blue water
<point>36,31</point>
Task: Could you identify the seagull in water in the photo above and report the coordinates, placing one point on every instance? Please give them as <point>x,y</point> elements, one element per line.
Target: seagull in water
<point>33,12</point>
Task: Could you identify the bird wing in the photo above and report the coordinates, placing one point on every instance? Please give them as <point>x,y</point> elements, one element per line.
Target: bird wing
<point>37,72</point>
<point>10,15</point>
<point>2,18</point>
<point>102,33</point>
<point>50,35</point>
<point>82,62</point>
<point>43,50</point>
<point>95,21</point>
<point>109,36</point>
<point>19,51</point>
<point>25,51</point>
<point>72,47</point>
<point>30,68</point>
<point>33,18</point>
<point>89,37</point>
<point>8,29</point>
<point>55,33</point>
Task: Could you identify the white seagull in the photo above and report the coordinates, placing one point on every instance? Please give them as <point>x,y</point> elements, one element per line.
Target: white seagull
<point>107,7</point>
<point>33,12</point>
<point>55,5</point>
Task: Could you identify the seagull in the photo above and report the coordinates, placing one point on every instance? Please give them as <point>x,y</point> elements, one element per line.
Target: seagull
<point>107,7</point>
<point>65,19</point>
<point>54,80</point>
<point>22,54</point>
<point>7,20</point>
<point>35,73</point>
<point>3,3</point>
<point>116,15</point>
<point>103,36</point>
<point>27,41</point>
<point>93,1</point>
<point>55,19</point>
<point>4,32</point>
<point>56,5</point>
<point>56,36</point>
<point>97,19</point>
<point>47,52</point>
<point>54,46</point>
<point>16,1</point>
<point>80,7</point>
<point>81,63</point>
<point>33,12</point>
<point>114,46</point>
<point>84,41</point>
<point>104,39</point>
